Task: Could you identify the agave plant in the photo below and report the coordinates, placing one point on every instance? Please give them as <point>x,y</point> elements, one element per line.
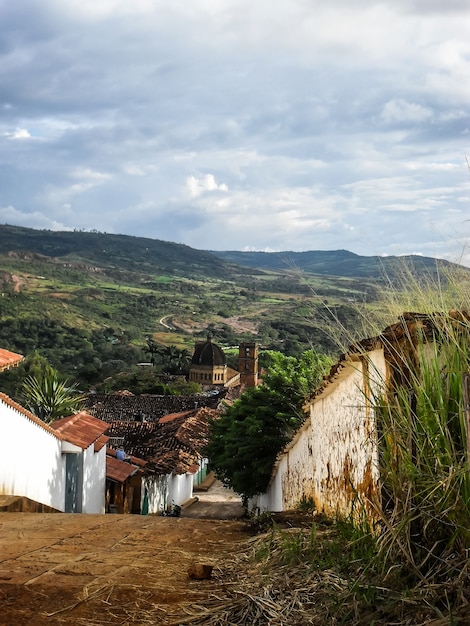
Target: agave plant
<point>49,397</point>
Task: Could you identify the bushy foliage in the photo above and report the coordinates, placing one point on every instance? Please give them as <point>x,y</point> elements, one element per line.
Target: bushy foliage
<point>246,440</point>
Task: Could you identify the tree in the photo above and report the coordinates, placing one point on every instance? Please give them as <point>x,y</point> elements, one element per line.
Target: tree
<point>12,379</point>
<point>245,441</point>
<point>294,377</point>
<point>49,397</point>
<point>170,359</point>
<point>153,348</point>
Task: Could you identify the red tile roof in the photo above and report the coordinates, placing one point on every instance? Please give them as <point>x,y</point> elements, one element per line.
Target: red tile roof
<point>171,445</point>
<point>135,460</point>
<point>101,442</point>
<point>119,470</point>
<point>7,359</point>
<point>80,429</point>
<point>173,416</point>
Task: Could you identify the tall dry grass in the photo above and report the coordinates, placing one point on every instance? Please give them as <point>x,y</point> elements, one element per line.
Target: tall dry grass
<point>423,529</point>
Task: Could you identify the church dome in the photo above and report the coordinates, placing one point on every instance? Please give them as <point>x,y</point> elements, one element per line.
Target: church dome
<point>209,354</point>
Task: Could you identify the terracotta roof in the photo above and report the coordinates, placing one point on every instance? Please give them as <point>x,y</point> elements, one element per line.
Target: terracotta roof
<point>173,416</point>
<point>80,429</point>
<point>101,442</point>
<point>144,408</point>
<point>172,445</point>
<point>232,375</point>
<point>7,359</point>
<point>119,470</point>
<point>17,407</point>
<point>135,460</point>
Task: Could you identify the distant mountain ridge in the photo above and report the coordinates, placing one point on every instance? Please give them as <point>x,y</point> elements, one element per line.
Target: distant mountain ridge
<point>332,262</point>
<point>134,254</point>
<point>109,251</point>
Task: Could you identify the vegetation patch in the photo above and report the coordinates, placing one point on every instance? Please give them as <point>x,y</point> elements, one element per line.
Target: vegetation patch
<point>323,574</point>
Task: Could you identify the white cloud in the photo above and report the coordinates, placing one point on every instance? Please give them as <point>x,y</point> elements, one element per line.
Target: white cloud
<point>293,125</point>
<point>90,175</point>
<point>36,219</point>
<point>398,110</point>
<point>19,133</point>
<point>197,186</point>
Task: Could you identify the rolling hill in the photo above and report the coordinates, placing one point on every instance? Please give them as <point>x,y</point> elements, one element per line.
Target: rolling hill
<point>332,263</point>
<point>89,301</point>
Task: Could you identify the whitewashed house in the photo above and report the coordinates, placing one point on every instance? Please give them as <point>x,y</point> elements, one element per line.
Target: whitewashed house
<point>165,490</point>
<point>171,449</point>
<point>84,449</point>
<point>62,466</point>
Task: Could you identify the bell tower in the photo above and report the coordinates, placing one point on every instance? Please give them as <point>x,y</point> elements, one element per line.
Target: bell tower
<point>248,363</point>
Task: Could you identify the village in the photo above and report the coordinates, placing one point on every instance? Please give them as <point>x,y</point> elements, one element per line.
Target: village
<point>139,457</point>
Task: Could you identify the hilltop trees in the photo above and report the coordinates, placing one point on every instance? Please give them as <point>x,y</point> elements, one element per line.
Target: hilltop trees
<point>169,359</point>
<point>244,442</point>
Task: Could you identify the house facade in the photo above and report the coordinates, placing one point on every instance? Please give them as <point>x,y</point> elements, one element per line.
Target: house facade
<point>61,470</point>
<point>124,483</point>
<point>171,449</point>
<point>84,448</point>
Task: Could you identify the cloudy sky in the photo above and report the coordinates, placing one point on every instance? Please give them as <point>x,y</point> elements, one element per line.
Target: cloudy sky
<point>240,124</point>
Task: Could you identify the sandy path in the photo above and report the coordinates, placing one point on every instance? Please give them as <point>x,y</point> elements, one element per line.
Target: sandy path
<point>107,569</point>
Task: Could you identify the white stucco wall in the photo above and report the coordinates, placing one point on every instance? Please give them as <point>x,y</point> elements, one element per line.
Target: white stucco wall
<point>94,480</point>
<point>180,488</point>
<point>272,499</point>
<point>156,488</point>
<point>163,491</point>
<point>341,443</point>
<point>31,463</point>
<point>333,459</point>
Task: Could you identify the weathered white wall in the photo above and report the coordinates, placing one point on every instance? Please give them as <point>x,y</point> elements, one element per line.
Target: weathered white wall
<point>31,463</point>
<point>156,488</point>
<point>180,488</point>
<point>94,480</point>
<point>272,499</point>
<point>163,491</point>
<point>333,459</point>
<point>344,444</point>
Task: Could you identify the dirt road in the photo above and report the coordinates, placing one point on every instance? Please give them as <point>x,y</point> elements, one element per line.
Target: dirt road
<point>216,503</point>
<point>108,569</point>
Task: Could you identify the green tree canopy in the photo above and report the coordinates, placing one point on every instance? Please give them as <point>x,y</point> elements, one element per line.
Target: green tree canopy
<point>245,441</point>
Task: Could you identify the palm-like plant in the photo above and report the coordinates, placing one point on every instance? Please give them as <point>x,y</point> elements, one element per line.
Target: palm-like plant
<point>49,397</point>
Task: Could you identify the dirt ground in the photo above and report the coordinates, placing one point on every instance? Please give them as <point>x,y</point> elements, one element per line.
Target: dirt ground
<point>114,569</point>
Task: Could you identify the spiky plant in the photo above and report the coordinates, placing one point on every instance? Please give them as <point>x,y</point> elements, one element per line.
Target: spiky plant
<point>49,397</point>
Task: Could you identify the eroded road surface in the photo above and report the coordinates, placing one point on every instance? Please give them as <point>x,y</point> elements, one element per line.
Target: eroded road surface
<point>113,569</point>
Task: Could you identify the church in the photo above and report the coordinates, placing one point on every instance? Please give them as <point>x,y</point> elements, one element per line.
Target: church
<point>209,366</point>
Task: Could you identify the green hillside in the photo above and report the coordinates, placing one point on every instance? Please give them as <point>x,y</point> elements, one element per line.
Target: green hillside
<point>89,302</point>
<point>112,252</point>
